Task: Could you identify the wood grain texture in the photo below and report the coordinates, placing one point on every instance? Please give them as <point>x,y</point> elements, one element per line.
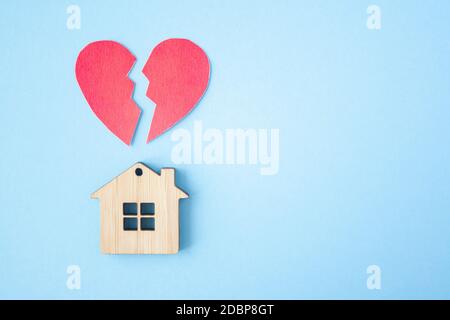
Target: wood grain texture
<point>149,187</point>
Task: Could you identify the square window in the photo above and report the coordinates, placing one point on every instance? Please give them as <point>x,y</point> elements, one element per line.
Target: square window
<point>148,224</point>
<point>148,209</point>
<point>129,224</point>
<point>130,209</point>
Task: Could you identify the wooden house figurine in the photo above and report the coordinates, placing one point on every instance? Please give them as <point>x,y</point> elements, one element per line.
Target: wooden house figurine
<point>139,212</point>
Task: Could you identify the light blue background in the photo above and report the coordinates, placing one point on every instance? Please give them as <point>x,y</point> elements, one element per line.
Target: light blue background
<point>364,151</point>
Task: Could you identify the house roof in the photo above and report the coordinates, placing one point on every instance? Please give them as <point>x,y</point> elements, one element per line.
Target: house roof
<point>142,166</point>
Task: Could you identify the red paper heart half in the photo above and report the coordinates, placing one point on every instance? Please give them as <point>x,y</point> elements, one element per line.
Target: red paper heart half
<point>102,69</point>
<point>178,73</point>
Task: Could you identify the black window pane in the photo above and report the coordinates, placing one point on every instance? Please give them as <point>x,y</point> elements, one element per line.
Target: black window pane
<point>148,224</point>
<point>129,224</point>
<point>130,209</point>
<point>148,209</point>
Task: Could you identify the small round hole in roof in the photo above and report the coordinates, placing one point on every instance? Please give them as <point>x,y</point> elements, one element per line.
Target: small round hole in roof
<point>138,172</point>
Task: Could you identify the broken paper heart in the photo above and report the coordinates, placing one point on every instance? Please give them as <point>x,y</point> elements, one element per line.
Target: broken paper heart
<point>178,74</point>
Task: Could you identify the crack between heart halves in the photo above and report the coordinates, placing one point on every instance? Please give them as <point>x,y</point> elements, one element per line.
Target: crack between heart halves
<point>146,106</point>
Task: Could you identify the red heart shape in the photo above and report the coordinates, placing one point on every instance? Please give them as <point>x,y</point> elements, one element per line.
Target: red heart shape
<point>178,73</point>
